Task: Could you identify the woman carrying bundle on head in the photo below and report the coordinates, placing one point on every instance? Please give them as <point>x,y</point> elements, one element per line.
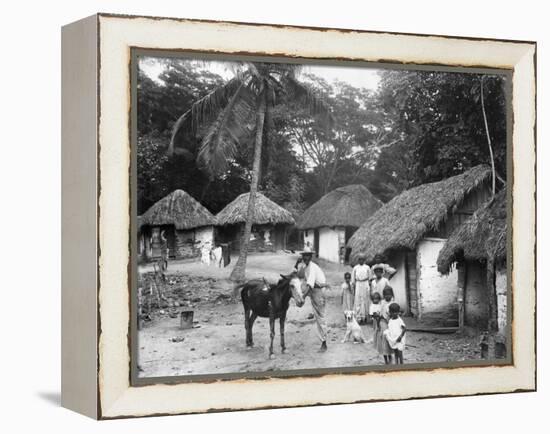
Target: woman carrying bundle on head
<point>379,282</point>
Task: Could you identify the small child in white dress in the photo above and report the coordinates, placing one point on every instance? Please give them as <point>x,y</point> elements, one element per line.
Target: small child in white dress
<point>395,334</point>
<point>374,308</point>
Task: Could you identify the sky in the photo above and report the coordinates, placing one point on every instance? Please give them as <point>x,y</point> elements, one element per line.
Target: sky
<point>357,77</point>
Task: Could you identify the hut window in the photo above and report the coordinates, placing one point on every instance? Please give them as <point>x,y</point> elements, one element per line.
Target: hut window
<point>307,234</point>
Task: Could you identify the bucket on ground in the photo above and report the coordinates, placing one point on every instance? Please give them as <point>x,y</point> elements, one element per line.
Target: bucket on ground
<point>186,319</point>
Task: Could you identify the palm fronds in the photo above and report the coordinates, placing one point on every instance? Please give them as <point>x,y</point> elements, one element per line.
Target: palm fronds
<point>234,122</point>
<point>203,111</point>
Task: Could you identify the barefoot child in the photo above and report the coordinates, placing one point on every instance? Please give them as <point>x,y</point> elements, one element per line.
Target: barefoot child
<point>347,293</point>
<point>374,312</point>
<point>382,345</point>
<point>395,334</point>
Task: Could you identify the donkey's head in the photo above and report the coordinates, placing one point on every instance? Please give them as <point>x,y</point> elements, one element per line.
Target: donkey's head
<point>296,286</point>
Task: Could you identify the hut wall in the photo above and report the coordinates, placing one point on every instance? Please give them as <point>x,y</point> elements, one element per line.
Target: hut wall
<point>264,238</point>
<point>279,237</point>
<point>438,294</point>
<point>145,242</point>
<point>398,281</point>
<point>476,303</point>
<point>330,240</point>
<point>261,239</point>
<point>185,244</point>
<point>190,242</point>
<point>501,284</point>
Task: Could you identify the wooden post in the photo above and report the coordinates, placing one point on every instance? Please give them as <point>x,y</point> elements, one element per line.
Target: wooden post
<point>492,296</point>
<point>461,270</point>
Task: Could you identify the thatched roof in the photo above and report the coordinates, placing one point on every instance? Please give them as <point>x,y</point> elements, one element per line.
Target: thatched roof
<point>351,205</point>
<point>265,212</point>
<point>178,209</point>
<point>402,222</point>
<point>481,237</point>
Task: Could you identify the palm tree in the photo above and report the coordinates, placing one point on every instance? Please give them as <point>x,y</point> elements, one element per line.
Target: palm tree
<point>239,108</point>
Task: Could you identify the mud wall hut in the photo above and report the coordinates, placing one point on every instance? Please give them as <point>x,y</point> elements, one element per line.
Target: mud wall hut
<point>269,225</point>
<point>177,223</point>
<point>329,223</point>
<point>408,233</point>
<point>477,250</point>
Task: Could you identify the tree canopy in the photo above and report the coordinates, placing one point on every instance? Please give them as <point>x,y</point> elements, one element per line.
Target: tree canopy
<point>416,127</point>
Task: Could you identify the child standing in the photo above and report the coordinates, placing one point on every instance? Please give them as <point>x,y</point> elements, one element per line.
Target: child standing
<point>347,293</point>
<point>395,334</point>
<point>374,312</point>
<point>382,345</point>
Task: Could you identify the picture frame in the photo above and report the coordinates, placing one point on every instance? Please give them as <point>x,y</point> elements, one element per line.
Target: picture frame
<point>97,270</point>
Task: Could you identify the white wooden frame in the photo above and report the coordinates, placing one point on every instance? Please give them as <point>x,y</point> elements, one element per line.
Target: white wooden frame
<point>95,258</point>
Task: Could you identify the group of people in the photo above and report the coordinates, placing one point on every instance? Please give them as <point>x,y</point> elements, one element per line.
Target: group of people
<point>368,293</point>
<point>365,291</point>
<point>212,255</point>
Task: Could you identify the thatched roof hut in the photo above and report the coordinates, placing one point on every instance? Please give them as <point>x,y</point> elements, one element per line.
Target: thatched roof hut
<point>345,206</point>
<point>266,212</point>
<point>482,237</point>
<point>402,222</point>
<point>178,209</point>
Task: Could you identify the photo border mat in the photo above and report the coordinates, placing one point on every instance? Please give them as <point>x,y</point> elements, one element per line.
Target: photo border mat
<point>117,399</point>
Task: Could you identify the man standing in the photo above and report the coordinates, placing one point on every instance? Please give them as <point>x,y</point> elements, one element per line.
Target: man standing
<point>316,281</point>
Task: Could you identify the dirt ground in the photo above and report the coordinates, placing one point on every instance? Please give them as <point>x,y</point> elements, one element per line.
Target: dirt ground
<point>216,343</point>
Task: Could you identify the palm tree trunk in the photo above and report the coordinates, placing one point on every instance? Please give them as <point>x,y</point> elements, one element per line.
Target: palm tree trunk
<point>239,271</point>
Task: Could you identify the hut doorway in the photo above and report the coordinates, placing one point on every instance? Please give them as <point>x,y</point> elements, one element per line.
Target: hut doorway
<point>169,233</point>
<point>348,233</point>
<point>316,241</point>
<point>412,290</point>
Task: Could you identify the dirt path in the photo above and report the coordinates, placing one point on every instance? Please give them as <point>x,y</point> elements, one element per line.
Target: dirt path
<point>217,343</point>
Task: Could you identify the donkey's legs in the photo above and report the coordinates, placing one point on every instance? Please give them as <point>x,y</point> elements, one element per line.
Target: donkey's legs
<point>247,327</point>
<point>271,334</point>
<point>251,320</point>
<point>282,328</point>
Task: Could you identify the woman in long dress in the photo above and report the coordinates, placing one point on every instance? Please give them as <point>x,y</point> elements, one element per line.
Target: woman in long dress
<point>360,280</point>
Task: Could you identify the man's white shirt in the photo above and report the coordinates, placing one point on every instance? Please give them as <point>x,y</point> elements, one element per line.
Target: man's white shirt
<point>313,274</point>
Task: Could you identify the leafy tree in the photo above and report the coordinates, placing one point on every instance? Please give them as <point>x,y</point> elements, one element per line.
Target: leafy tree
<point>346,153</point>
<point>437,120</point>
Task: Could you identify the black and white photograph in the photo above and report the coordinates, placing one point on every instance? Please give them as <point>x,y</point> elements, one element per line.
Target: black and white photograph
<point>294,217</point>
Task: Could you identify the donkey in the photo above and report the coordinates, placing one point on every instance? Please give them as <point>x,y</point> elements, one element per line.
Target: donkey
<point>270,301</point>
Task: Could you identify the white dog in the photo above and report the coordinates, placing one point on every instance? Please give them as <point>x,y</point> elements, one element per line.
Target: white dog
<point>353,329</point>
